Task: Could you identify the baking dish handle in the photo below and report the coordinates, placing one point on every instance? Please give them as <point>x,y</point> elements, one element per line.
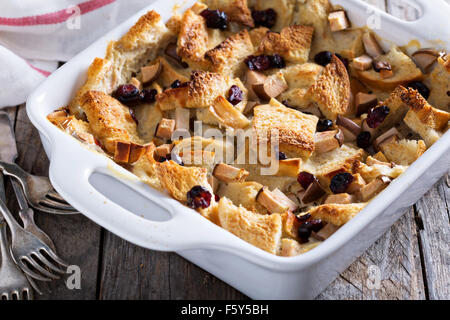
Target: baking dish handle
<point>70,169</point>
<point>432,12</point>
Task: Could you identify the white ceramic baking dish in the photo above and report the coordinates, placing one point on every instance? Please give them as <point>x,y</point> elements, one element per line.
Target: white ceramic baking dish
<point>152,220</point>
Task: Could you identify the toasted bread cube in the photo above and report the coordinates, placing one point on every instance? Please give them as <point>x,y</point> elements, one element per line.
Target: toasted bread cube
<point>272,87</point>
<point>227,173</point>
<point>236,10</point>
<point>338,21</point>
<point>293,43</point>
<point>165,128</point>
<point>356,185</point>
<point>291,248</point>
<point>403,152</point>
<point>282,198</point>
<point>151,72</point>
<point>341,198</point>
<point>295,129</point>
<point>363,62</point>
<point>254,78</point>
<point>290,225</point>
<point>380,157</point>
<point>373,188</point>
<point>331,91</point>
<point>263,231</point>
<point>439,83</point>
<point>136,152</point>
<point>193,38</point>
<point>337,214</point>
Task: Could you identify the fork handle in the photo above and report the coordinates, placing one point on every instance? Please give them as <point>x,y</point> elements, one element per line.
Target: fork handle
<point>2,192</point>
<point>12,223</point>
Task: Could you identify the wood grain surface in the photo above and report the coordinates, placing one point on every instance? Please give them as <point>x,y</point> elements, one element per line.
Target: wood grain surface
<point>410,261</point>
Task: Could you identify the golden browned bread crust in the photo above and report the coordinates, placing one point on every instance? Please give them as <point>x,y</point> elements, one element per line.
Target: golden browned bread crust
<point>139,33</point>
<point>295,129</point>
<point>228,57</point>
<point>193,37</point>
<point>292,43</point>
<point>145,168</point>
<point>179,180</point>
<point>263,231</point>
<point>257,35</point>
<point>438,82</point>
<point>331,91</point>
<point>109,119</point>
<point>337,214</point>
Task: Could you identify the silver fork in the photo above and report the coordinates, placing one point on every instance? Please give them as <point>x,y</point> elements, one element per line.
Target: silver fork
<point>38,190</point>
<point>28,251</point>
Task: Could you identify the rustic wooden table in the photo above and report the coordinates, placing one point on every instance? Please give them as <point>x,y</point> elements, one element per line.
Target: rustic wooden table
<point>410,261</point>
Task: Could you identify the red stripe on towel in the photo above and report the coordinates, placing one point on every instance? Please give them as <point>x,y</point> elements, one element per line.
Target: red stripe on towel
<point>43,72</point>
<point>54,17</point>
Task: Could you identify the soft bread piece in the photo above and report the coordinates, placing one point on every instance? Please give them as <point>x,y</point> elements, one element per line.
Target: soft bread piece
<point>326,165</point>
<point>292,43</point>
<point>337,214</point>
<point>257,35</point>
<point>192,38</point>
<point>170,73</point>
<point>148,116</point>
<point>300,77</point>
<point>315,13</point>
<point>404,69</point>
<point>403,152</point>
<point>283,8</point>
<point>109,119</point>
<point>262,231</point>
<point>145,168</point>
<point>124,57</point>
<point>376,170</point>
<point>439,83</point>
<point>422,118</point>
<point>243,194</point>
<point>295,129</point>
<point>331,91</point>
<point>348,43</point>
<point>236,10</point>
<point>228,57</point>
<point>179,180</point>
<point>201,92</point>
<point>99,78</point>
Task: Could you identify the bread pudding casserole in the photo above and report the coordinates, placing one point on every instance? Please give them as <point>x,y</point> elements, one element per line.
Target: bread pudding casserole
<point>275,120</point>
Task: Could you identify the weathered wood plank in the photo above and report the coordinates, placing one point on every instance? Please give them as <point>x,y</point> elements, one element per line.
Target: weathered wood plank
<point>434,229</point>
<point>76,238</point>
<point>390,269</point>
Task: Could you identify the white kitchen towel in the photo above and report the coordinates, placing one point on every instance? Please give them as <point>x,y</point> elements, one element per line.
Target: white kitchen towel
<point>36,34</point>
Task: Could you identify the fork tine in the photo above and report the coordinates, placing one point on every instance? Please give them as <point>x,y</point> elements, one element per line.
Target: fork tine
<point>55,257</point>
<point>31,273</point>
<point>5,296</point>
<point>56,196</point>
<point>42,208</point>
<point>49,264</point>
<point>34,286</point>
<point>56,204</point>
<point>41,269</point>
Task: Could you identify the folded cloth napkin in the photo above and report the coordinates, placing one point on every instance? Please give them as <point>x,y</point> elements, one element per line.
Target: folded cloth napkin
<point>36,34</point>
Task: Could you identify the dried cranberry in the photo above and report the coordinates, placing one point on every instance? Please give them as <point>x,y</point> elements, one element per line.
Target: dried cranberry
<point>340,182</point>
<point>133,115</point>
<point>215,19</point>
<point>305,179</point>
<point>259,63</point>
<point>304,231</point>
<point>148,96</point>
<point>162,159</point>
<point>235,95</point>
<point>199,197</point>
<point>344,60</point>
<point>126,93</point>
<point>281,155</point>
<point>277,61</point>
<point>363,139</point>
<point>217,198</point>
<point>423,89</point>
<point>175,84</point>
<point>264,18</point>
<point>323,58</point>
<point>324,125</point>
<point>376,116</point>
